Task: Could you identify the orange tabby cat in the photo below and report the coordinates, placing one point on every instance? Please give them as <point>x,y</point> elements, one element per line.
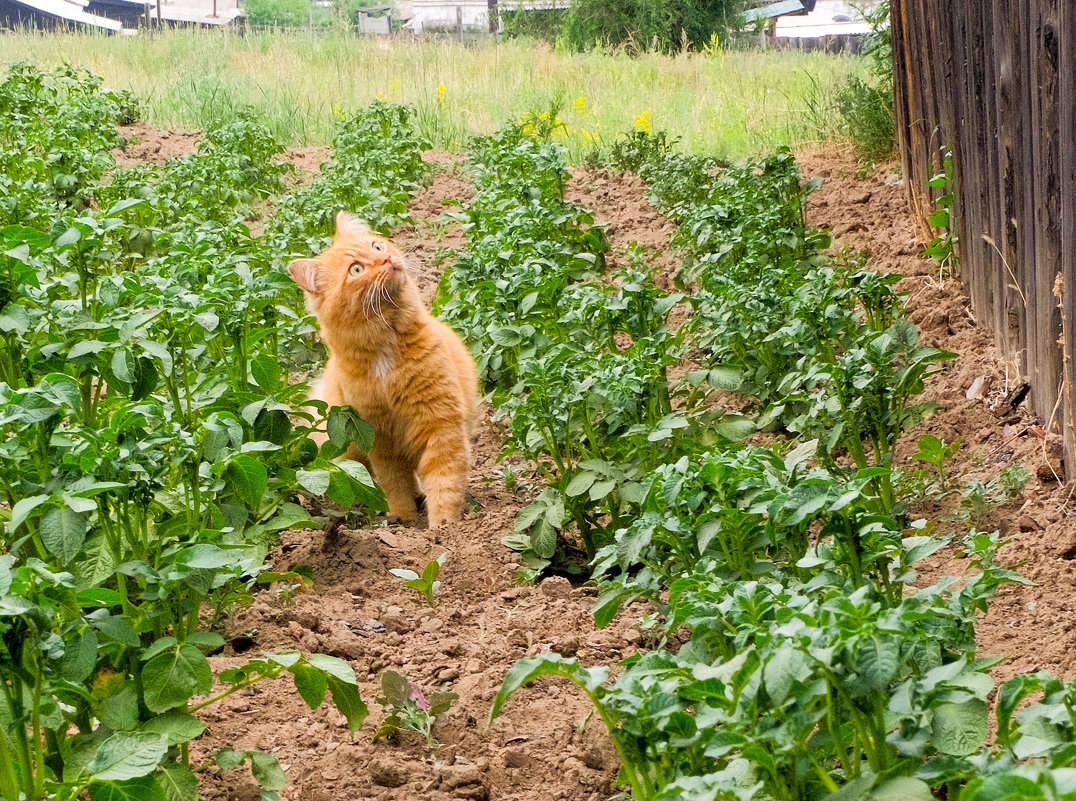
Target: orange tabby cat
<point>405,372</point>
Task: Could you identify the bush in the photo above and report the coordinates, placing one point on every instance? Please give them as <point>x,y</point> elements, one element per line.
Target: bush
<point>867,107</point>
<point>651,24</point>
<point>278,13</point>
<point>866,110</point>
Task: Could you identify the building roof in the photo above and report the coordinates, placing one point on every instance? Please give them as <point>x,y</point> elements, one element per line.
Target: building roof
<point>55,11</point>
<point>771,10</point>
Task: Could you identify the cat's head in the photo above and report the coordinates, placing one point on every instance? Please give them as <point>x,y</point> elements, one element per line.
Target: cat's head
<point>362,274</point>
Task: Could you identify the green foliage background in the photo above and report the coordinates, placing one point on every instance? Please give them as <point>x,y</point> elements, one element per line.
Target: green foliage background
<point>656,25</point>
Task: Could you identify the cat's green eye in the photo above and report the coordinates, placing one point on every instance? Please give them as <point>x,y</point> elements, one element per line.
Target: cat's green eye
<point>356,268</point>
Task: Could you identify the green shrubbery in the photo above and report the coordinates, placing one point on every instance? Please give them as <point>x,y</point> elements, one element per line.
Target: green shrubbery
<point>867,106</point>
<point>660,25</point>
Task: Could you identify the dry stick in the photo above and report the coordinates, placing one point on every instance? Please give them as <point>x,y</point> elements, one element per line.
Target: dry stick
<point>1066,363</point>
<point>1015,284</point>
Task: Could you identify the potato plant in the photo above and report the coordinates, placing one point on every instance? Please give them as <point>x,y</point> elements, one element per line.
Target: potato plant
<point>151,442</point>
<point>815,667</point>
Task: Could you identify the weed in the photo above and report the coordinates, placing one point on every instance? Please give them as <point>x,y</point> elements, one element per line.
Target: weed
<point>410,708</point>
<point>937,452</point>
<point>427,583</point>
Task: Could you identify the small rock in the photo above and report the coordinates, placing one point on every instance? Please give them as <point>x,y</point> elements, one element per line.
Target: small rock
<point>1027,523</point>
<point>295,630</point>
<point>976,388</point>
<point>515,759</point>
<point>347,647</point>
<point>396,623</point>
<point>1003,455</point>
<point>568,647</point>
<point>387,774</point>
<point>594,759</point>
<point>431,625</point>
<point>860,197</point>
<point>308,621</point>
<point>464,781</point>
<point>556,587</point>
<point>448,674</point>
<point>1046,473</point>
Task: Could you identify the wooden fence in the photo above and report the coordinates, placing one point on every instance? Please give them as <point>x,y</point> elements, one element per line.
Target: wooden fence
<point>995,82</point>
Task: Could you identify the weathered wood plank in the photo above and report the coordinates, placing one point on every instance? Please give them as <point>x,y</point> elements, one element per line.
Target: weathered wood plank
<point>1066,69</point>
<point>995,80</point>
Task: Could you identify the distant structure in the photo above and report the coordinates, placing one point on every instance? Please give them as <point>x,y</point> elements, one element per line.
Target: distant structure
<point>465,15</point>
<point>54,13</point>
<point>831,25</point>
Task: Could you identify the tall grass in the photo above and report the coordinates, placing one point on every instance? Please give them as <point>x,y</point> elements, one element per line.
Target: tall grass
<point>728,104</point>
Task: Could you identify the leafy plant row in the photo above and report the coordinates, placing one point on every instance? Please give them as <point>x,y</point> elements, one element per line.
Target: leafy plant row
<point>151,443</point>
<point>577,359</point>
<point>816,667</point>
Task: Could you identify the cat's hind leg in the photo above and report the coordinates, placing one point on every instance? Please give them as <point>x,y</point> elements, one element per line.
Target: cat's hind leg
<point>443,468</point>
<point>396,475</point>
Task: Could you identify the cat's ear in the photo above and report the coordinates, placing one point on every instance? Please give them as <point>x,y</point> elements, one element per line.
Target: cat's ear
<point>350,225</point>
<point>307,274</point>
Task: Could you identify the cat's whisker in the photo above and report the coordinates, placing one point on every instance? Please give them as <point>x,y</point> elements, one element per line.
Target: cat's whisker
<point>418,271</point>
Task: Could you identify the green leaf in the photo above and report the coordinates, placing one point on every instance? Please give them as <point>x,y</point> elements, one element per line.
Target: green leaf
<point>544,540</point>
<point>228,758</point>
<point>266,769</point>
<point>128,755</point>
<point>311,683</point>
<point>527,670</point>
<point>124,366</point>
<point>249,478</point>
<point>580,484</point>
<point>143,788</point>
<point>179,727</point>
<point>63,530</point>
<point>21,510</point>
<point>735,427</point>
<point>80,655</point>
<point>179,782</point>
<point>316,482</point>
<point>960,729</point>
<point>118,628</point>
<point>347,700</point>
<point>171,678</point>
<point>879,658</point>
<point>902,788</point>
<point>14,318</point>
<point>119,710</point>
<point>290,516</point>
<point>780,672</point>
<point>266,371</point>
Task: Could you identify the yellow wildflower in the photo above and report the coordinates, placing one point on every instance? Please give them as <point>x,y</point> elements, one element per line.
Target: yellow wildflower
<point>338,111</point>
<point>642,122</point>
<point>580,104</point>
<point>441,89</point>
<point>380,95</point>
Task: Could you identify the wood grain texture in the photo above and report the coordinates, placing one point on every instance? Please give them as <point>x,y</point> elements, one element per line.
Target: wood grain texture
<point>995,82</point>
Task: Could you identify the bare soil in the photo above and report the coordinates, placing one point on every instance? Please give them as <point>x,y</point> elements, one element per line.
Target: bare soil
<point>544,746</point>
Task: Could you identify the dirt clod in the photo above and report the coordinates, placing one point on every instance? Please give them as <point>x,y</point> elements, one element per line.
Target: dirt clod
<point>387,774</point>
